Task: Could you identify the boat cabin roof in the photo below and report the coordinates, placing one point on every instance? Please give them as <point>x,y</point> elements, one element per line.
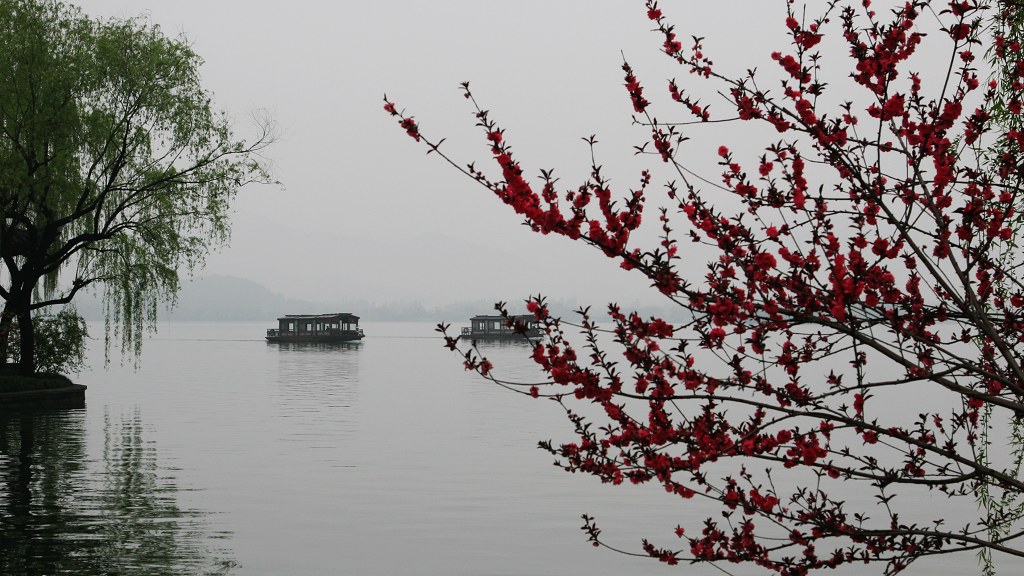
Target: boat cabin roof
<point>340,316</point>
<point>488,318</point>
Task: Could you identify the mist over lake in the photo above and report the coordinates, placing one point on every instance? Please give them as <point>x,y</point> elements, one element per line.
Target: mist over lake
<point>225,454</point>
<point>217,297</point>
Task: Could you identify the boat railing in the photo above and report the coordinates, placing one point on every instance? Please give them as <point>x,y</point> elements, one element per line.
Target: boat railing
<point>328,332</point>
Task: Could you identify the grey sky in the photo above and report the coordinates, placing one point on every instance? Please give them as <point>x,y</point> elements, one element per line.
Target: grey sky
<point>364,214</point>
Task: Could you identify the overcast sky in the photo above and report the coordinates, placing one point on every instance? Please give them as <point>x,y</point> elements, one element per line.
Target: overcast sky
<point>362,212</point>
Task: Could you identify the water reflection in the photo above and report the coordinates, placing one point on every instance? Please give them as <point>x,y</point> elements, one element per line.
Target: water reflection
<point>505,343</point>
<point>315,346</point>
<point>317,392</point>
<point>512,360</point>
<point>318,367</point>
<point>62,512</point>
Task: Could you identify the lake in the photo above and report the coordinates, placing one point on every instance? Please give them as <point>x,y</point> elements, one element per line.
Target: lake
<point>223,454</point>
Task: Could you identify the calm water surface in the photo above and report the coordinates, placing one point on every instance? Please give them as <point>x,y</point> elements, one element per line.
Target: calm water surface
<point>223,454</point>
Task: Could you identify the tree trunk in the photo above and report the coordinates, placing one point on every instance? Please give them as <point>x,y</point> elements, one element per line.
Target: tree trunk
<point>26,332</point>
<point>6,323</point>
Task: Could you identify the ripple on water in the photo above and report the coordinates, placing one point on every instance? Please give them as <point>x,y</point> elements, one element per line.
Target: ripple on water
<point>74,505</point>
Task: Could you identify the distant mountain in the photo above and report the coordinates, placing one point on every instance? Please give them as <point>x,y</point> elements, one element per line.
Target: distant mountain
<point>437,268</point>
<point>229,298</point>
<point>216,298</point>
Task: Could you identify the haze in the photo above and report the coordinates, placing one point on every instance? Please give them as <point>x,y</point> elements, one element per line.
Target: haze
<point>363,213</point>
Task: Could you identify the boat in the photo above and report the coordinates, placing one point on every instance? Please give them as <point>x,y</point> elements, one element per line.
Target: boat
<point>336,327</point>
<point>495,328</point>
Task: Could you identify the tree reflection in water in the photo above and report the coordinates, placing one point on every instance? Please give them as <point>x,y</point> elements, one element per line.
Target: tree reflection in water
<point>64,513</point>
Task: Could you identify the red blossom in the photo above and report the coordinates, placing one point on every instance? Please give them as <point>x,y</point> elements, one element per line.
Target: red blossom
<point>871,259</point>
<point>636,92</point>
<point>410,128</point>
<point>960,31</point>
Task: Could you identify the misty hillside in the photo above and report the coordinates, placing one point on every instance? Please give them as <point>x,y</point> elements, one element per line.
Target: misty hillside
<point>437,268</point>
<point>214,298</point>
<point>221,298</point>
<point>229,298</point>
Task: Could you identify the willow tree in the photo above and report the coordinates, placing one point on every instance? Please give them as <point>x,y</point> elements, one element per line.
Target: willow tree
<point>115,169</point>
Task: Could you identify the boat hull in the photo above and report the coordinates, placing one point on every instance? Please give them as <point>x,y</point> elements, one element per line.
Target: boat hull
<point>320,338</point>
<point>506,335</point>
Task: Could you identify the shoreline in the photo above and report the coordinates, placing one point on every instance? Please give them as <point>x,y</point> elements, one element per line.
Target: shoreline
<point>68,396</point>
